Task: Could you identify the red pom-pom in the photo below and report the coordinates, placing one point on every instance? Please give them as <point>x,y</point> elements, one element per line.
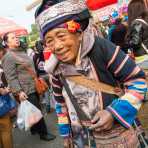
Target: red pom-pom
<point>73,26</point>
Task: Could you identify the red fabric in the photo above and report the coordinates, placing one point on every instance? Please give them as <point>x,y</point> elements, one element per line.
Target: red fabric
<point>46,54</point>
<point>97,4</point>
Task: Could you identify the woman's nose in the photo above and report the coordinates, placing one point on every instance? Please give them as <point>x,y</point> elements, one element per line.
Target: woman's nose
<point>58,46</point>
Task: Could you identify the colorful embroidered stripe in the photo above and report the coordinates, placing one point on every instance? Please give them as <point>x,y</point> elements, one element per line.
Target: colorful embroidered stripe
<point>56,94</point>
<point>61,109</point>
<point>55,85</point>
<point>121,65</point>
<point>133,100</point>
<point>54,78</point>
<point>137,89</point>
<point>140,86</point>
<point>133,73</point>
<point>114,56</point>
<point>118,117</point>
<point>123,111</point>
<point>136,94</point>
<point>64,130</point>
<point>139,80</point>
<point>63,120</point>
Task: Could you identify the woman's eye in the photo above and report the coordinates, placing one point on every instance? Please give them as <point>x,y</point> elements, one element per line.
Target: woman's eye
<point>61,35</point>
<point>48,41</point>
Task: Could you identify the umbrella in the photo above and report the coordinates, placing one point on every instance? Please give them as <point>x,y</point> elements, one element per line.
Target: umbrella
<point>10,26</point>
<point>97,4</point>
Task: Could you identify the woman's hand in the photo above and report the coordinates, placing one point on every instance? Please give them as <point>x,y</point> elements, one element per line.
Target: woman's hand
<point>22,96</point>
<point>4,91</point>
<point>103,120</point>
<point>68,143</point>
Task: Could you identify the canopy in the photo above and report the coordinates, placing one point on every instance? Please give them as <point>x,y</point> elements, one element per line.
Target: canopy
<point>104,9</point>
<point>97,4</point>
<point>105,12</point>
<point>10,26</point>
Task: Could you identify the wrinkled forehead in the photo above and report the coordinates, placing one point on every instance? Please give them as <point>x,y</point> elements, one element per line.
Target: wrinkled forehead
<point>55,31</point>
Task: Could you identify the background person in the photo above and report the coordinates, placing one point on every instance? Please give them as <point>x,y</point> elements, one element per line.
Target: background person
<point>6,140</point>
<point>137,42</point>
<point>39,63</point>
<point>20,80</point>
<point>133,6</point>
<point>118,34</point>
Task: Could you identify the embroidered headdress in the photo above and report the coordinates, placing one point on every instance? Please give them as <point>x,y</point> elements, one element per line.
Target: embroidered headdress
<point>53,13</point>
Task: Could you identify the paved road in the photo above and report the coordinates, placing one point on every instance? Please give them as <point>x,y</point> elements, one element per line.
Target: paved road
<point>26,140</point>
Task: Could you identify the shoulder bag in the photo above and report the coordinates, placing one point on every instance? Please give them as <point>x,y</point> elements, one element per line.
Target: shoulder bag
<point>6,104</point>
<point>40,85</point>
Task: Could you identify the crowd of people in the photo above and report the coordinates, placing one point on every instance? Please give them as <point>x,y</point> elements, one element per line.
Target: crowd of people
<point>98,82</point>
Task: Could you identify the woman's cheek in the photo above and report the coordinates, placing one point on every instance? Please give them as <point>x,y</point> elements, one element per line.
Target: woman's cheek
<point>59,57</point>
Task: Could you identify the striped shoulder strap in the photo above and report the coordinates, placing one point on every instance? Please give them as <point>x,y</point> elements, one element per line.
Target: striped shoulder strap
<point>95,85</point>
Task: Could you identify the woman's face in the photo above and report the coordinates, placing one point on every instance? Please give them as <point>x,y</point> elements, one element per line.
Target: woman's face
<point>13,41</point>
<point>64,44</point>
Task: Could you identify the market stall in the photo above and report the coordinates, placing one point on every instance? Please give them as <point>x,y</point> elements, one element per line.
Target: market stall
<point>107,8</point>
<point>7,25</point>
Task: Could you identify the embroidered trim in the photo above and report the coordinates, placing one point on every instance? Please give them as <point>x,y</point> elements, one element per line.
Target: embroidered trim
<point>133,100</point>
<point>119,117</point>
<point>55,85</point>
<point>121,65</point>
<point>136,94</point>
<point>134,72</point>
<point>113,57</point>
<point>57,95</point>
<point>59,10</point>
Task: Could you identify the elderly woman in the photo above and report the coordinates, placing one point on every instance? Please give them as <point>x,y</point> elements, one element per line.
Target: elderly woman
<point>20,79</point>
<point>87,116</point>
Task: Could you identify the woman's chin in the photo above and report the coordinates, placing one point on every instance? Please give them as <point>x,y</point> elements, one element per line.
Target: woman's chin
<point>68,60</point>
<point>65,60</point>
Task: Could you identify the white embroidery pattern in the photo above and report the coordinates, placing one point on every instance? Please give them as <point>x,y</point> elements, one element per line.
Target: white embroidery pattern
<point>60,10</point>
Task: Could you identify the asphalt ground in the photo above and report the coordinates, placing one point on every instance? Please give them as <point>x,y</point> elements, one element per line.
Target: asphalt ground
<point>24,139</point>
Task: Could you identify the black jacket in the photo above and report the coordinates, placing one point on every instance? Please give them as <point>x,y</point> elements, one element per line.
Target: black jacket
<point>138,34</point>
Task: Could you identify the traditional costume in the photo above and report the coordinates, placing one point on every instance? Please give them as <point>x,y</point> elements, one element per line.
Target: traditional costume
<point>98,60</point>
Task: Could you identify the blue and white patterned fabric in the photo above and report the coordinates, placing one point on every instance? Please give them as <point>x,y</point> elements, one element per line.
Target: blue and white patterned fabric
<point>54,13</point>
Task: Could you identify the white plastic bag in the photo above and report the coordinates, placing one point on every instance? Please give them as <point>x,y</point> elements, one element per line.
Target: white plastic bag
<point>28,115</point>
